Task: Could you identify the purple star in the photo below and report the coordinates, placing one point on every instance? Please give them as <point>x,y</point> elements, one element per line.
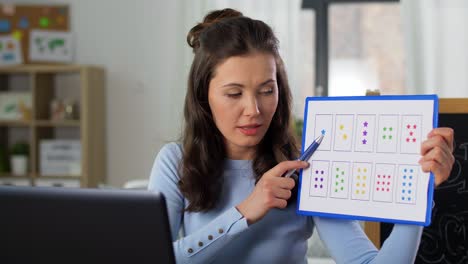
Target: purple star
<point>364,141</point>
<point>364,133</point>
<point>365,123</point>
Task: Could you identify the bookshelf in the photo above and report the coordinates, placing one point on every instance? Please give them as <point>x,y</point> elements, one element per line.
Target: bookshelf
<point>45,83</point>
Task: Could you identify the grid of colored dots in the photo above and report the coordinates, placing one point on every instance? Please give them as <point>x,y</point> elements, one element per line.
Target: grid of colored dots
<point>360,181</point>
<point>339,180</point>
<point>318,179</point>
<point>383,183</point>
<point>411,137</point>
<point>407,184</point>
<point>387,130</point>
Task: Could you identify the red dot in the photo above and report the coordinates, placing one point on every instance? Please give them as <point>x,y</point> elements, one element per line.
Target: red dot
<point>377,188</point>
<point>388,189</point>
<point>378,182</point>
<point>407,139</point>
<point>414,126</point>
<point>389,176</point>
<point>384,176</point>
<point>378,176</point>
<point>388,183</point>
<point>408,126</point>
<point>414,139</point>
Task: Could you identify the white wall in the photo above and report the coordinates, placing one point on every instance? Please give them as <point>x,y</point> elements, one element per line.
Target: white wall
<point>140,43</point>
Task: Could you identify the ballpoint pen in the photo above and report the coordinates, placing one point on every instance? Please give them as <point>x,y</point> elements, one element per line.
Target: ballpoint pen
<point>307,153</point>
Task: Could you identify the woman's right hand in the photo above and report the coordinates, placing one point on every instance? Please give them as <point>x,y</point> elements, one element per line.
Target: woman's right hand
<point>271,191</point>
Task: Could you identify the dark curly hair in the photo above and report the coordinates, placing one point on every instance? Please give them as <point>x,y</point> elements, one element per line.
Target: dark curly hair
<point>223,34</point>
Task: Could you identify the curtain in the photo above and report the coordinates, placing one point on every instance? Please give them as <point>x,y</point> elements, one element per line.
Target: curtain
<point>436,40</point>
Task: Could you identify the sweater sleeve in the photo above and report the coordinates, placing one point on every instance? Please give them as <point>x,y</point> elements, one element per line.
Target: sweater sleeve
<point>202,245</point>
<point>348,243</point>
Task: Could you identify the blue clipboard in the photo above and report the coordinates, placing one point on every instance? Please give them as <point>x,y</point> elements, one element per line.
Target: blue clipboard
<point>430,190</point>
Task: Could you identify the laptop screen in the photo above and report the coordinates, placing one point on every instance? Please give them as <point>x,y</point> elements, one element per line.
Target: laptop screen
<point>63,225</point>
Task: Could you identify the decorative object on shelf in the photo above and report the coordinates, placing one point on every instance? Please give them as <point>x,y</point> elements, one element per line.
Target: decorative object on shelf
<point>15,106</point>
<point>19,158</point>
<point>57,110</point>
<point>71,110</point>
<point>23,19</point>
<point>60,157</point>
<point>66,109</point>
<point>10,51</point>
<point>50,46</point>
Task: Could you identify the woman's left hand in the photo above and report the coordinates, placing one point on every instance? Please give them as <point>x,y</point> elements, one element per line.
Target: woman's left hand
<point>437,154</point>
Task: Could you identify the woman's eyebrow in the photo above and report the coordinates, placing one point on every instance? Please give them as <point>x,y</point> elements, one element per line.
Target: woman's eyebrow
<point>242,86</point>
<point>266,82</point>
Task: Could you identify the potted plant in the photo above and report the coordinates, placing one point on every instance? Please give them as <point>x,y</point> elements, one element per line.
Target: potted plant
<point>19,158</point>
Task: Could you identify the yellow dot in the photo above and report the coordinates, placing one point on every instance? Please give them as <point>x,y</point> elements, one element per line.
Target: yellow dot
<point>357,184</point>
<point>359,177</point>
<point>363,185</point>
<point>365,177</point>
<point>363,192</point>
<point>357,192</point>
<point>341,127</point>
<point>345,136</point>
<point>359,170</point>
<point>365,170</point>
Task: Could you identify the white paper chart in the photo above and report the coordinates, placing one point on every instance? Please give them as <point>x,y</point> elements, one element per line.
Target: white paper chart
<point>367,167</point>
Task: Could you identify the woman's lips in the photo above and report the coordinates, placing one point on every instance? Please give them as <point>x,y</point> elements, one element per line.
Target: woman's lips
<point>249,130</point>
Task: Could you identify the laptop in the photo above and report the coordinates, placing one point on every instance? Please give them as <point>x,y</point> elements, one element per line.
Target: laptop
<point>64,225</point>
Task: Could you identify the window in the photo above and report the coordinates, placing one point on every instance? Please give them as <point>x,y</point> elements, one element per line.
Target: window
<point>359,47</point>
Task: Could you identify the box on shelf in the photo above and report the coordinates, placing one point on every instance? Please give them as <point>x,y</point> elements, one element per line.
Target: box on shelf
<point>67,183</point>
<point>60,157</point>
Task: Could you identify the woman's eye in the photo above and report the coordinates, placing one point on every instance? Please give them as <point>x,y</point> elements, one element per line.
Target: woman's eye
<point>267,91</point>
<point>233,95</point>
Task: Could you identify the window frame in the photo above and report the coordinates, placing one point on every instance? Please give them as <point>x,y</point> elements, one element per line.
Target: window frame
<point>321,8</point>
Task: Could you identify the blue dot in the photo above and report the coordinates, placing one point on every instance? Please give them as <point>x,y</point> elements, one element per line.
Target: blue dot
<point>411,177</point>
<point>403,198</point>
<point>323,131</point>
<point>404,184</point>
<point>409,191</point>
<point>409,184</point>
<point>404,176</point>
<point>403,191</point>
<point>411,170</point>
<point>405,170</point>
<point>409,198</point>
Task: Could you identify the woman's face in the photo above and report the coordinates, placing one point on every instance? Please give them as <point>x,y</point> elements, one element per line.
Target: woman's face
<point>243,96</point>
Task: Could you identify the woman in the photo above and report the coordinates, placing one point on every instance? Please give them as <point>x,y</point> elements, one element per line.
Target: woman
<point>223,183</point>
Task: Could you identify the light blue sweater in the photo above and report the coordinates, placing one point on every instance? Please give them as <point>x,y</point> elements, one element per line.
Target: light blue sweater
<point>223,236</point>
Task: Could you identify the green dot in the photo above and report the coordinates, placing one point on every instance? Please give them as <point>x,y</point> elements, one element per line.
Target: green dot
<point>44,22</point>
<point>337,176</point>
<point>336,183</point>
<point>384,129</point>
<point>341,188</point>
<point>390,137</point>
<point>384,137</point>
<point>337,169</point>
<point>342,173</point>
<point>391,128</point>
<point>336,190</point>
<point>342,180</point>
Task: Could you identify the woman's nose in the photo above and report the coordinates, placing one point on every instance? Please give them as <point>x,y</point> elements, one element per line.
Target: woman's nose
<point>251,106</point>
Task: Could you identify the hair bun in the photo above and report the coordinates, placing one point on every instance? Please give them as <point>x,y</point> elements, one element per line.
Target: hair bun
<point>211,18</point>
